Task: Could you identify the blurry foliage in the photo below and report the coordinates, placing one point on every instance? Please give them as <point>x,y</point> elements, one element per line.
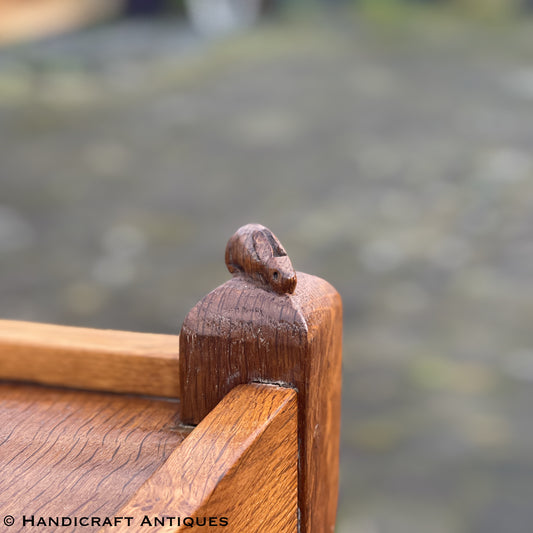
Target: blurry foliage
<point>389,10</point>
<point>490,8</point>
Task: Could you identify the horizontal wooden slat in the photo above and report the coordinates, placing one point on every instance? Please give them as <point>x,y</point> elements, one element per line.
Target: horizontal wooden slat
<point>239,464</point>
<point>103,360</point>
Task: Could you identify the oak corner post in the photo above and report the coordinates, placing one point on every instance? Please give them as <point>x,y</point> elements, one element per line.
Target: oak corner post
<point>271,324</point>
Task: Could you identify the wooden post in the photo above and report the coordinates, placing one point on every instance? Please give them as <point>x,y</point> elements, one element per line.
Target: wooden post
<point>270,324</point>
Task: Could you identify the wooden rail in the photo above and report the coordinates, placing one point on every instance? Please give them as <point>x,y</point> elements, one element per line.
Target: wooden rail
<point>258,374</point>
<point>91,359</point>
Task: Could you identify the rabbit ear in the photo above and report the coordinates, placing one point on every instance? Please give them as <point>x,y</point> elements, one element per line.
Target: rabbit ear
<point>262,247</point>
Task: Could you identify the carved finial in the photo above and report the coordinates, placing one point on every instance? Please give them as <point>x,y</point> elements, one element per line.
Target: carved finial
<point>255,252</point>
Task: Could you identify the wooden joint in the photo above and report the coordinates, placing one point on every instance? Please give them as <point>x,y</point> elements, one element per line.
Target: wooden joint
<point>270,324</point>
<point>250,435</point>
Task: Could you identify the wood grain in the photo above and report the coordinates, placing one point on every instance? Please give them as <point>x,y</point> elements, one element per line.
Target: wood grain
<point>240,463</point>
<point>243,332</point>
<point>105,360</point>
<point>73,453</point>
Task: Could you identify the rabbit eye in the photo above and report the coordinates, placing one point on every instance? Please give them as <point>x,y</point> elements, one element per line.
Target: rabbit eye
<point>275,275</point>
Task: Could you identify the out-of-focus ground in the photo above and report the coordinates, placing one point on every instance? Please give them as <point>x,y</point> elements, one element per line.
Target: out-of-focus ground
<point>393,157</point>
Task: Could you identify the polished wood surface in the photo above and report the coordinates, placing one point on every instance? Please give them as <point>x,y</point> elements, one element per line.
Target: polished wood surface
<point>73,453</point>
<point>251,329</point>
<point>239,464</point>
<point>106,360</point>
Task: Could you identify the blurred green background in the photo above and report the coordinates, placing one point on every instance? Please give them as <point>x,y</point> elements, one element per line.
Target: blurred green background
<point>388,144</point>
